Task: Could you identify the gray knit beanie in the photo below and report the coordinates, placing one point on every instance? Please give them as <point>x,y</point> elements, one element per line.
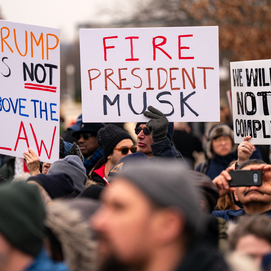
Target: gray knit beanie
<point>168,184</point>
<point>73,166</point>
<point>109,136</point>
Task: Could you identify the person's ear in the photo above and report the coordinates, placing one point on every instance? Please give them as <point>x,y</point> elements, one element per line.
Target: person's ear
<point>169,225</point>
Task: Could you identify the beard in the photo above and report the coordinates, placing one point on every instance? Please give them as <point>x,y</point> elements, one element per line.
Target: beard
<point>113,263</point>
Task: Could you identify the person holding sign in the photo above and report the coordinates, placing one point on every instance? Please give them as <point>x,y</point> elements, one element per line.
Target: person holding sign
<point>221,151</point>
<point>154,137</point>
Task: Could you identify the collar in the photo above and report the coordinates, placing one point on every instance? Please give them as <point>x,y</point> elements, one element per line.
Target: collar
<point>225,159</point>
<point>100,171</point>
<point>236,213</point>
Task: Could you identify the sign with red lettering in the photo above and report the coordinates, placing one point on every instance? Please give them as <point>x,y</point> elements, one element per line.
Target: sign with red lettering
<point>29,99</point>
<point>251,100</point>
<point>175,69</point>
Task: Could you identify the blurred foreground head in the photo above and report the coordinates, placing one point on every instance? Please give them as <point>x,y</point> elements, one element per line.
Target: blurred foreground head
<point>68,235</point>
<point>21,227</point>
<point>251,237</point>
<point>151,211</point>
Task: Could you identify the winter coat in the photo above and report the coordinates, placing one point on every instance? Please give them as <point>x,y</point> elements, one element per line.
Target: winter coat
<point>96,175</point>
<point>166,149</point>
<point>72,230</point>
<point>44,263</point>
<point>233,214</point>
<point>213,167</point>
<point>203,257</point>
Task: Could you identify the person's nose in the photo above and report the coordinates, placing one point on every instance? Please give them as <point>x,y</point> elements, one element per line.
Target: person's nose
<point>141,134</point>
<point>81,139</point>
<point>98,220</point>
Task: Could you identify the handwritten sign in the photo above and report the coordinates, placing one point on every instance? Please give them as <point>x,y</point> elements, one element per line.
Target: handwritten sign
<point>173,69</point>
<point>251,90</point>
<point>29,98</point>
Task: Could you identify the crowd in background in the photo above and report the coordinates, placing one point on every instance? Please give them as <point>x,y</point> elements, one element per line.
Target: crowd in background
<point>162,202</point>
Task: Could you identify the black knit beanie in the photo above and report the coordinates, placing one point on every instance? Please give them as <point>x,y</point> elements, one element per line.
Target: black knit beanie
<point>108,137</point>
<point>22,214</point>
<point>56,185</point>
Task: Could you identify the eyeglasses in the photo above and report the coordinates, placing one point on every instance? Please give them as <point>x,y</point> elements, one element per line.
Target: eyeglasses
<point>84,135</point>
<point>146,130</point>
<point>125,150</point>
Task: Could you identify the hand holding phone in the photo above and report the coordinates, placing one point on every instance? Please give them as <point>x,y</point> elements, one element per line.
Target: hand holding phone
<point>245,178</point>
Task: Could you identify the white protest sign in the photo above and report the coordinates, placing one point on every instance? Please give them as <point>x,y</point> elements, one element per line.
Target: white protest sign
<point>176,70</point>
<point>29,98</point>
<point>251,100</point>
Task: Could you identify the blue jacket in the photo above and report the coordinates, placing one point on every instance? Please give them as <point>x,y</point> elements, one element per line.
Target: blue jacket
<point>231,214</point>
<point>43,263</point>
<point>165,149</point>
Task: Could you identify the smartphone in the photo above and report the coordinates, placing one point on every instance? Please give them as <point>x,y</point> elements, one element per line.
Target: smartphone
<point>245,178</point>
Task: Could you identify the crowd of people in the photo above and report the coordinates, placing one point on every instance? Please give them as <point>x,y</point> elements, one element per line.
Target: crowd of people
<point>112,204</point>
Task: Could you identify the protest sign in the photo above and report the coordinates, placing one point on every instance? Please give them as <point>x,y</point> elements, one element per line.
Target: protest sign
<point>173,69</point>
<point>250,82</point>
<point>29,98</point>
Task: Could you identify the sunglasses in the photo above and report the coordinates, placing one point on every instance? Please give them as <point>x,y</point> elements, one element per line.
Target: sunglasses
<point>125,150</point>
<point>84,135</point>
<point>146,130</point>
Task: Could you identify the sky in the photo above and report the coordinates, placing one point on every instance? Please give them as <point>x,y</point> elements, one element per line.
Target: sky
<point>66,14</point>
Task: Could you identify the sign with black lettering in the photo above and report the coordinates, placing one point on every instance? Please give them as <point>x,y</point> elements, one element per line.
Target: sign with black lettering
<point>176,70</point>
<point>251,100</point>
<point>29,98</point>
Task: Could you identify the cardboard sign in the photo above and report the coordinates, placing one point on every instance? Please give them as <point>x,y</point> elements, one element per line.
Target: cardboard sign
<point>251,89</point>
<point>173,69</point>
<point>29,97</point>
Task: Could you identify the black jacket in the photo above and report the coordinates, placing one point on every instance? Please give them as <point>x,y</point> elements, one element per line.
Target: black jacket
<point>203,257</point>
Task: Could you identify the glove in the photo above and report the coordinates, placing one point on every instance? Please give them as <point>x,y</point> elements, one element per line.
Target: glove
<point>158,124</point>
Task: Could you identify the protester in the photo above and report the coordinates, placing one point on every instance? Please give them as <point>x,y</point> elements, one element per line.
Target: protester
<point>68,235</point>
<point>255,199</point>
<point>21,230</point>
<point>87,141</point>
<point>53,186</point>
<point>216,226</point>
<point>8,165</point>
<point>115,144</point>
<point>73,166</point>
<point>65,149</point>
<point>186,143</point>
<point>154,137</point>
<point>149,221</point>
<point>125,161</point>
<point>221,151</point>
<point>251,236</point>
<point>67,135</point>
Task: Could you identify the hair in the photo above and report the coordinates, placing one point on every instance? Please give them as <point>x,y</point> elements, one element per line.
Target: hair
<point>257,225</point>
<point>251,162</point>
<point>225,203</point>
